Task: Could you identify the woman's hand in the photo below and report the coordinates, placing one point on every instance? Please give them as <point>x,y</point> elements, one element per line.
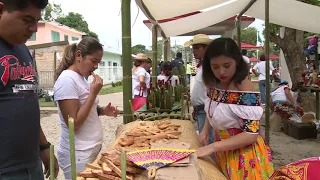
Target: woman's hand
<point>204,151</point>
<point>110,110</point>
<point>203,138</point>
<point>96,85</point>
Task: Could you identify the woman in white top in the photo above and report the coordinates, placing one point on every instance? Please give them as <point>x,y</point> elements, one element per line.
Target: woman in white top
<point>140,76</point>
<point>233,110</point>
<point>166,74</point>
<point>78,99</point>
<point>283,102</point>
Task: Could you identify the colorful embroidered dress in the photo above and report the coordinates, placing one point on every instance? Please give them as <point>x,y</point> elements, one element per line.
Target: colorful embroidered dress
<point>231,113</point>
<point>306,169</point>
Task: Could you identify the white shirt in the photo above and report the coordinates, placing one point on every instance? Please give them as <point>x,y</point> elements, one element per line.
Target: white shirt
<point>198,95</point>
<point>226,116</point>
<point>279,94</point>
<point>260,67</point>
<point>173,79</point>
<point>135,81</point>
<point>71,85</point>
<point>246,59</point>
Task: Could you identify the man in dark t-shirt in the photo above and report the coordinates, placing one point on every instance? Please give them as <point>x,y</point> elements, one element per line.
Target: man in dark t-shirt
<point>22,143</point>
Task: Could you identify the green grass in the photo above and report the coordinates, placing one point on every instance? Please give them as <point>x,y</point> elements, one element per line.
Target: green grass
<point>43,103</point>
<point>254,77</point>
<point>256,86</point>
<point>103,91</point>
<point>110,90</point>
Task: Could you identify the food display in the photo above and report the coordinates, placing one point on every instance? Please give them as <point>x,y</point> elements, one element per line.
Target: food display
<point>141,137</point>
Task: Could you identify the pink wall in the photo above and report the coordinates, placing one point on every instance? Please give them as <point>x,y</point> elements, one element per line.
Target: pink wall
<point>44,33</point>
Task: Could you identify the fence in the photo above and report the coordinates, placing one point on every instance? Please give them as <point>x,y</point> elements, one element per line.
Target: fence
<point>109,74</point>
<point>46,79</point>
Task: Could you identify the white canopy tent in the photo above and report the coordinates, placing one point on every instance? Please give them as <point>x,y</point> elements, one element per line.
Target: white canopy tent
<point>226,27</point>
<point>288,13</point>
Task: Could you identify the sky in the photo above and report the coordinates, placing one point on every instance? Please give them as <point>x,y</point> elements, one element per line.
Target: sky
<point>104,18</point>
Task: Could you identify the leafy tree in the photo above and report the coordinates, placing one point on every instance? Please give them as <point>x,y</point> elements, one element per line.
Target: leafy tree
<point>292,45</point>
<point>53,12</point>
<point>139,48</point>
<point>74,20</point>
<point>249,35</point>
<point>159,50</point>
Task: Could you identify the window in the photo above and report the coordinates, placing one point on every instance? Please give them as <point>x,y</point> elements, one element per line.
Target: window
<point>66,38</point>
<point>33,37</point>
<point>102,63</point>
<point>115,64</point>
<point>55,36</point>
<point>75,39</point>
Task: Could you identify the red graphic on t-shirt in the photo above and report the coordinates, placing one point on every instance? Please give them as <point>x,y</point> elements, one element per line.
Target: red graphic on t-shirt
<point>14,70</point>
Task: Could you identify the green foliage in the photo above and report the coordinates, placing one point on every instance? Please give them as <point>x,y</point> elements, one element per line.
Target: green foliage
<point>74,20</point>
<point>139,48</point>
<point>111,90</point>
<point>53,12</point>
<point>114,84</point>
<point>249,35</point>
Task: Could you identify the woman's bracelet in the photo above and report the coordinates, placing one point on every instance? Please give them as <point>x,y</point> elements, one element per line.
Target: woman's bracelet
<point>99,111</point>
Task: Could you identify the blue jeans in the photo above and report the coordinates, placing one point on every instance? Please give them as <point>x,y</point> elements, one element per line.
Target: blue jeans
<point>201,118</point>
<point>35,173</point>
<point>262,88</point>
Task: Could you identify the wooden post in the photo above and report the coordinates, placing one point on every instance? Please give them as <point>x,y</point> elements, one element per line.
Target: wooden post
<point>239,31</point>
<point>54,65</point>
<point>165,49</point>
<point>127,59</point>
<point>316,61</point>
<point>52,162</point>
<point>317,105</point>
<point>72,148</point>
<point>267,52</point>
<point>154,54</point>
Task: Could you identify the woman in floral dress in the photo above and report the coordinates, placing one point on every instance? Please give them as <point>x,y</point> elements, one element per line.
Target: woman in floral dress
<point>233,109</point>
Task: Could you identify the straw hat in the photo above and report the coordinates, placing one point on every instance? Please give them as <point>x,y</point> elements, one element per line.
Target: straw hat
<point>198,39</point>
<point>141,57</point>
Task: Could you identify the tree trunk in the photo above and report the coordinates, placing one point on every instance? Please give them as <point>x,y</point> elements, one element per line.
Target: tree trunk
<point>293,50</point>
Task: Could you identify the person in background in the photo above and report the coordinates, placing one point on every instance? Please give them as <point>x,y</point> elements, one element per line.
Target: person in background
<point>199,45</point>
<point>260,70</point>
<point>234,111</point>
<point>247,60</point>
<point>276,75</point>
<point>140,77</point>
<point>166,74</point>
<point>245,56</point>
<point>23,145</point>
<point>188,72</point>
<point>78,99</point>
<point>283,102</point>
<point>159,68</point>
<point>175,63</point>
